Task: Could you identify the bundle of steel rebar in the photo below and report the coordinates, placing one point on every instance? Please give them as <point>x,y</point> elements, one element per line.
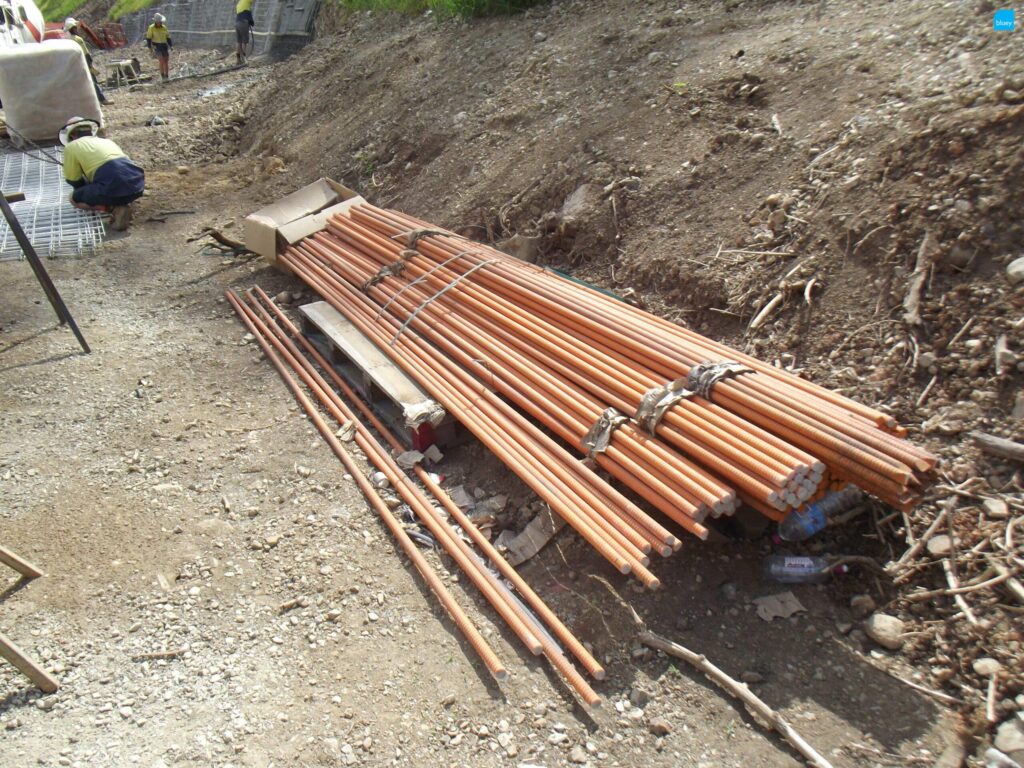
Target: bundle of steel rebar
<point>689,425</point>
<point>529,618</point>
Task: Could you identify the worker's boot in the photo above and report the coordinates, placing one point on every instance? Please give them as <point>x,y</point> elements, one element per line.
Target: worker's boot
<point>121,218</point>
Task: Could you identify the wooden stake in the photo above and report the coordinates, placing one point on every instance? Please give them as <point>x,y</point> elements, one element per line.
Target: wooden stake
<point>998,446</point>
<point>912,301</point>
<point>751,701</point>
<point>22,566</point>
<point>39,676</point>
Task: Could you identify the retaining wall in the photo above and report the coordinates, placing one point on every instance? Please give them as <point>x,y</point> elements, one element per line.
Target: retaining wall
<point>282,26</point>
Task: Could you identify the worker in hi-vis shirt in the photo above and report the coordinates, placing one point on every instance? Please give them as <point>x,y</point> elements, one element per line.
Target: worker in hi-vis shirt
<point>104,177</point>
<point>244,22</point>
<point>158,40</point>
<point>71,30</point>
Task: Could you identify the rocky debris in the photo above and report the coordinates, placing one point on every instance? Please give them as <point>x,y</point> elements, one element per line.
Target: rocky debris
<point>997,509</point>
<point>1010,737</point>
<point>639,697</point>
<point>1015,271</point>
<point>885,630</point>
<point>940,546</point>
<point>659,726</point>
<point>523,247</point>
<point>986,667</point>
<point>862,605</point>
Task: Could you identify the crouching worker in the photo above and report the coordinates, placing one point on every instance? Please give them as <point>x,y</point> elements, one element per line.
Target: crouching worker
<point>103,176</point>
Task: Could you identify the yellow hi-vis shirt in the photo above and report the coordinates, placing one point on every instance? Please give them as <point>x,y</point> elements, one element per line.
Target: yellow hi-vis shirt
<point>158,34</point>
<point>84,156</point>
<point>243,5</point>
<point>81,42</point>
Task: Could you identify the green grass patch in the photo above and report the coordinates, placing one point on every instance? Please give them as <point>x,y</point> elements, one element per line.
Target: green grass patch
<point>122,7</point>
<point>443,7</point>
<point>58,10</point>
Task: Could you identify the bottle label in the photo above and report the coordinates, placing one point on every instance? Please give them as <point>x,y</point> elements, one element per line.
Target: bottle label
<point>798,563</point>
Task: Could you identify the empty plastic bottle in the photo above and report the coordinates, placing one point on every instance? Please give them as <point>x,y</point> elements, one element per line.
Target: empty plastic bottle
<point>803,523</point>
<point>793,569</point>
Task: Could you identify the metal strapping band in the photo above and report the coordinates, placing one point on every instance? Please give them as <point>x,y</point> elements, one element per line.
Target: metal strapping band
<point>656,402</point>
<point>420,279</point>
<point>703,377</point>
<point>438,295</point>
<point>413,235</point>
<point>391,270</point>
<point>599,437</point>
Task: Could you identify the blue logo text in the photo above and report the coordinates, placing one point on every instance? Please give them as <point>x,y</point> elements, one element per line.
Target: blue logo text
<point>1004,20</point>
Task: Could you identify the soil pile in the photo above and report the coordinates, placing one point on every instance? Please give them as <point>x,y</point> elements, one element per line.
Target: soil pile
<point>774,175</point>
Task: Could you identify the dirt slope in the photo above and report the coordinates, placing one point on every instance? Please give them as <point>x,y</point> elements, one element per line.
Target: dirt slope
<point>705,158</point>
<point>158,481</point>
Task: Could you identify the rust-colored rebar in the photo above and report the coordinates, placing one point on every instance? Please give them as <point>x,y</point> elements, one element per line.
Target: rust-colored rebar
<point>458,616</point>
<point>560,631</point>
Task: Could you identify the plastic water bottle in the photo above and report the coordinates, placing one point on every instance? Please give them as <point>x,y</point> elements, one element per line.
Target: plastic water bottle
<point>793,569</point>
<point>803,523</point>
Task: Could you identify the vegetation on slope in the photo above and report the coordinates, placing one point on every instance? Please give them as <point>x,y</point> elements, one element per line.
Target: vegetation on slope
<point>444,7</point>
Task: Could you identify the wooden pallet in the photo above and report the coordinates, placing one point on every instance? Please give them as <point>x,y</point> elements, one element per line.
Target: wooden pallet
<point>400,403</point>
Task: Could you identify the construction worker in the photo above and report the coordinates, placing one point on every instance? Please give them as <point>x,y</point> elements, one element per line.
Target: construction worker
<point>71,30</point>
<point>244,22</point>
<point>104,177</point>
<point>158,40</point>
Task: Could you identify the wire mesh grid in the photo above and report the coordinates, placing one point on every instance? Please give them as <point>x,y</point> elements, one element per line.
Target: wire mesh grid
<point>51,223</point>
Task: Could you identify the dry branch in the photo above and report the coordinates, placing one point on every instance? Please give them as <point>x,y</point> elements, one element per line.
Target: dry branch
<point>912,301</point>
<point>998,446</point>
<point>752,702</point>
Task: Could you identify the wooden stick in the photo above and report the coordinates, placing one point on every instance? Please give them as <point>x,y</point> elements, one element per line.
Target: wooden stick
<point>943,697</point>
<point>1014,585</point>
<point>912,301</point>
<point>959,334</point>
<point>761,316</point>
<point>998,446</point>
<point>19,564</point>
<point>975,496</point>
<point>917,597</point>
<point>911,553</point>
<point>740,691</point>
<point>927,391</point>
<point>990,699</point>
<point>39,676</point>
<point>171,654</point>
<point>954,584</point>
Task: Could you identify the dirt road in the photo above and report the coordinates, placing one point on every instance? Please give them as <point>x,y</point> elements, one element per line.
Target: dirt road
<point>218,594</point>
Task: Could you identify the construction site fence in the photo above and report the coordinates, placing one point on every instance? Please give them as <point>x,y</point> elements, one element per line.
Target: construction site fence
<point>282,26</point>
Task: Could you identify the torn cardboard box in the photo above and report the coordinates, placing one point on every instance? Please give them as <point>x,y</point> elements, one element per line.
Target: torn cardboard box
<point>273,228</point>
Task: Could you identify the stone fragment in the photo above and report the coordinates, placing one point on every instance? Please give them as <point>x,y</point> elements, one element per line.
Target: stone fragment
<point>659,726</point>
<point>885,630</point>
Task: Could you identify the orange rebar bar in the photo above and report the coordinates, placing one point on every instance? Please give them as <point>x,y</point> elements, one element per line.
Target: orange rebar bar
<point>825,408</point>
<point>480,415</point>
<point>560,631</point>
<point>458,616</point>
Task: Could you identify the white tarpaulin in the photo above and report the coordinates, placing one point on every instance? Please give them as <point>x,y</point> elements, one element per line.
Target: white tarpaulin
<point>44,84</point>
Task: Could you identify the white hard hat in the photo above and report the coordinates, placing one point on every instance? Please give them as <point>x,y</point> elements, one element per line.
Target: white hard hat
<point>76,124</point>
<point>159,18</point>
<point>70,23</point>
